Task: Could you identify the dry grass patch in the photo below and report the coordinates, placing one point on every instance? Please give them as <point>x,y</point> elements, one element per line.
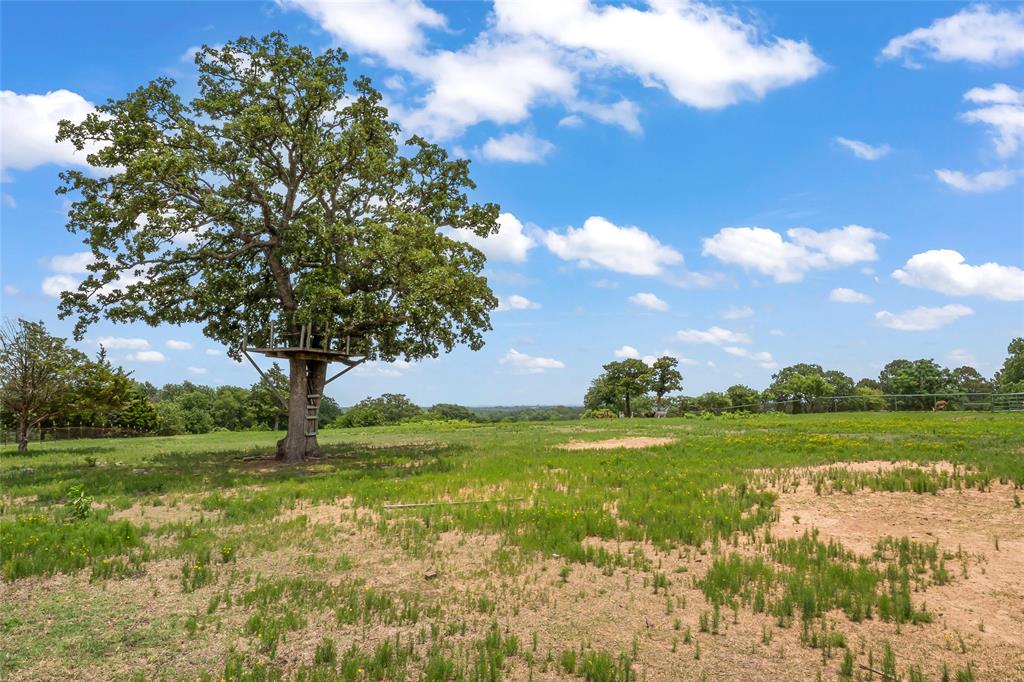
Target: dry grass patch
<point>634,442</point>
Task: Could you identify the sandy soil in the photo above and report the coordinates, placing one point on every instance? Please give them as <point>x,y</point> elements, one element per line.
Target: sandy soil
<point>613,443</point>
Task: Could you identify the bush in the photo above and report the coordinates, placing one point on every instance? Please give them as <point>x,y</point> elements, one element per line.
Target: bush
<point>598,413</point>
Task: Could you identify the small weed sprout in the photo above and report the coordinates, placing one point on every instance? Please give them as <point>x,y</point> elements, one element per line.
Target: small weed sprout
<point>78,504</point>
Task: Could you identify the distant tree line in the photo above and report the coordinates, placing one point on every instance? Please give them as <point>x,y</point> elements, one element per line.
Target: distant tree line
<point>396,408</point>
<point>634,388</point>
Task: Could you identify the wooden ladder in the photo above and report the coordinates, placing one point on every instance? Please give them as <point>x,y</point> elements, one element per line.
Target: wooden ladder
<point>312,413</point>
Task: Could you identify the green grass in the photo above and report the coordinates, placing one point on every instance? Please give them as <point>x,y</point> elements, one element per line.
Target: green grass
<point>707,492</point>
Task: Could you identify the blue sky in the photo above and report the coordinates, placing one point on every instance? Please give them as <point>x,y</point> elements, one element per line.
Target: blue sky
<point>743,186</point>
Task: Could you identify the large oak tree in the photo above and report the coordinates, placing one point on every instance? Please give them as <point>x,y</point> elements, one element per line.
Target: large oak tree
<point>281,190</point>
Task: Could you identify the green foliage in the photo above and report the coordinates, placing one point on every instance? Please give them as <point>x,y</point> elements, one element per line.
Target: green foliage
<point>1010,378</point>
<point>743,398</point>
<point>389,408</point>
<point>666,378</point>
<point>78,504</point>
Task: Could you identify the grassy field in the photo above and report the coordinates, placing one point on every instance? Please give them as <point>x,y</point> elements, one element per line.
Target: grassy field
<point>846,546</point>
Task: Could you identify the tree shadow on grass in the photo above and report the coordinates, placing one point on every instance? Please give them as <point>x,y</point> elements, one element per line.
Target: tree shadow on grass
<point>218,470</point>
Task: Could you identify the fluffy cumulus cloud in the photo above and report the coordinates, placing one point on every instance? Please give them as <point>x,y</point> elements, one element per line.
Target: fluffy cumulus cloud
<point>737,312</point>
<point>539,52</point>
<point>146,356</point>
<point>627,352</point>
<point>863,150</point>
<point>1002,112</point>
<point>71,267</point>
<point>55,285</point>
<point>516,302</point>
<point>922,318</point>
<point>713,335</point>
<point>844,295</point>
<point>529,364</point>
<point>981,34</point>
<point>174,344</point>
<point>703,55</point>
<point>946,271</point>
<point>516,148</point>
<point>122,343</point>
<point>72,264</point>
<point>987,181</point>
<point>645,299</point>
<point>30,126</point>
<point>509,243</point>
<point>197,370</point>
<point>601,243</point>
<point>764,359</point>
<point>769,253</point>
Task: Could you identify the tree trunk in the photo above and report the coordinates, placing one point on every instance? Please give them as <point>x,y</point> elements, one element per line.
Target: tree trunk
<point>277,422</point>
<point>305,378</point>
<point>629,408</point>
<point>22,433</point>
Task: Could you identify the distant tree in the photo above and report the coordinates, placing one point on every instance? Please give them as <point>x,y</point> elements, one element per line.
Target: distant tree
<point>630,378</point>
<point>1010,378</point>
<point>667,379</point>
<point>603,394</point>
<point>841,383</point>
<point>329,410</point>
<point>887,376</point>
<point>869,383</point>
<point>713,402</point>
<point>966,379</point>
<point>868,399</point>
<point>101,393</point>
<point>231,408</point>
<point>389,408</point>
<point>266,398</point>
<point>799,384</point>
<point>920,377</point>
<point>38,375</point>
<point>743,397</point>
<point>449,411</point>
<point>170,418</point>
<point>281,189</point>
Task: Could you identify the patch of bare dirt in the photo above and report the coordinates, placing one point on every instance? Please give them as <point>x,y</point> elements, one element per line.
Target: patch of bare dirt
<point>984,604</point>
<point>634,442</point>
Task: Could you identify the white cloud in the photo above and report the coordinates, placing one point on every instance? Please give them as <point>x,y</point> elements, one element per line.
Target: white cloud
<point>988,181</point>
<point>627,352</point>
<point>923,319</point>
<point>945,271</point>
<point>30,128</point>
<point>737,312</point>
<point>624,113</point>
<point>645,299</point>
<point>516,302</point>
<point>393,29</point>
<point>72,263</point>
<point>212,352</point>
<point>517,148</point>
<point>863,150</point>
<point>174,344</point>
<point>146,356</point>
<point>122,343</point>
<point>8,200</point>
<point>776,332</point>
<point>538,52</point>
<point>55,285</point>
<point>704,56</point>
<point>11,290</point>
<point>960,357</point>
<point>509,243</point>
<point>197,370</point>
<point>570,121</point>
<point>528,364</point>
<point>1004,115</point>
<point>765,251</point>
<point>844,295</point>
<point>622,249</point>
<point>1000,93</point>
<point>976,34</point>
<point>762,358</point>
<point>714,335</point>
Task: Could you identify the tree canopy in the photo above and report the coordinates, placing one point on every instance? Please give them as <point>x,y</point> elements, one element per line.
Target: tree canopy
<point>281,190</point>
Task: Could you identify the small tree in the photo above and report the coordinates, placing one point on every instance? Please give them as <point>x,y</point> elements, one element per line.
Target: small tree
<point>1010,378</point>
<point>266,397</point>
<point>37,375</point>
<point>667,379</point>
<point>629,378</point>
<point>280,190</point>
